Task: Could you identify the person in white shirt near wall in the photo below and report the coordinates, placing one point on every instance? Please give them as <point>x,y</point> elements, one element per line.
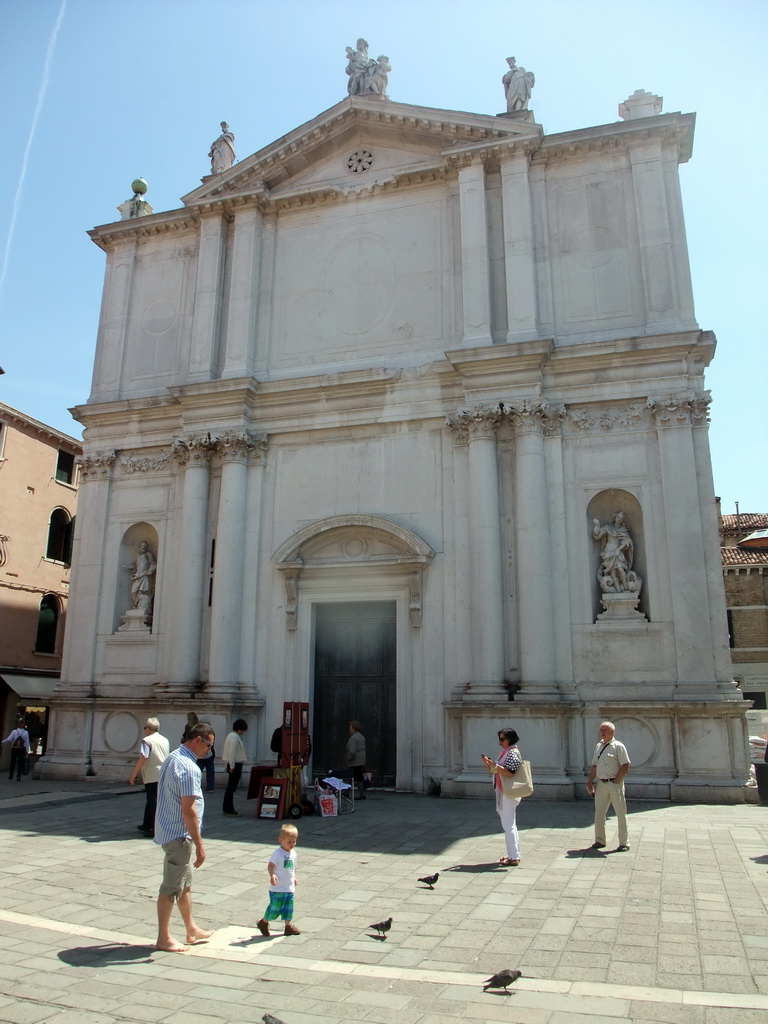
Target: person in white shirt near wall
<point>235,757</point>
<point>154,750</point>
<point>610,763</point>
<point>20,749</point>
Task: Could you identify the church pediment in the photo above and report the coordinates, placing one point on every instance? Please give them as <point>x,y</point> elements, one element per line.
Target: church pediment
<point>360,142</point>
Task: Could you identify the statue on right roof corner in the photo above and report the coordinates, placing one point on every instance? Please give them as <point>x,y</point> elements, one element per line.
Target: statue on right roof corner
<point>518,84</point>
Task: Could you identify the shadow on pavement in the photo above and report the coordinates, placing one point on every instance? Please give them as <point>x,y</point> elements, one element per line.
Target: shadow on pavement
<point>382,824</point>
<point>107,955</point>
<point>476,869</point>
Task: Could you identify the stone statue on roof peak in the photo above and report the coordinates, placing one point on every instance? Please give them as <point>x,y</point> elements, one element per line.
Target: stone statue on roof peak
<point>367,77</point>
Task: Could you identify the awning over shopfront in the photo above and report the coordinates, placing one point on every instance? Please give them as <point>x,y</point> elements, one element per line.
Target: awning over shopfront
<point>30,688</point>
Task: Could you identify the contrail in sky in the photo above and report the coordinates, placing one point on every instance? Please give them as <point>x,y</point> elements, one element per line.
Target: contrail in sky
<point>33,128</point>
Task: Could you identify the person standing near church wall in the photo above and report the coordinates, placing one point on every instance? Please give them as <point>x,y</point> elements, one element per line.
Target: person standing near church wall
<point>355,756</point>
<point>610,763</point>
<point>235,757</point>
<point>154,750</point>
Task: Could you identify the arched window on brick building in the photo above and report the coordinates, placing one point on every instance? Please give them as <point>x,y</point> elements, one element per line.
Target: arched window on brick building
<point>47,623</point>
<point>60,533</point>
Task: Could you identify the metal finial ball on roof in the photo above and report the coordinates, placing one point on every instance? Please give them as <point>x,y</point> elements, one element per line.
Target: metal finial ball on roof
<point>139,186</point>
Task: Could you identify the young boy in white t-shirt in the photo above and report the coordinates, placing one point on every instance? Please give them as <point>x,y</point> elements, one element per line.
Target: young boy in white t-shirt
<point>282,882</point>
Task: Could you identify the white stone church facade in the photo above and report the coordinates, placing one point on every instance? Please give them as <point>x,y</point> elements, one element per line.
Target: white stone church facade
<point>362,399</point>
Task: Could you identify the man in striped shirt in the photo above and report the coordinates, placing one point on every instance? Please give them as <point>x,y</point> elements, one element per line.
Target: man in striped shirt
<point>178,829</point>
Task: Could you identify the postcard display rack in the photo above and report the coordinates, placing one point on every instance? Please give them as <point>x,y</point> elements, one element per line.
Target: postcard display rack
<point>281,792</point>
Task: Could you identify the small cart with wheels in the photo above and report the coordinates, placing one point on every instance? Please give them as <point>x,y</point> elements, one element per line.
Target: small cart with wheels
<point>340,786</point>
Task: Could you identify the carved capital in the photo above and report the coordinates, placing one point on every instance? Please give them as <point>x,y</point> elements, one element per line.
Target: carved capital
<point>681,409</point>
<point>534,417</point>
<point>97,466</point>
<point>195,450</point>
<point>480,422</point>
<point>240,446</point>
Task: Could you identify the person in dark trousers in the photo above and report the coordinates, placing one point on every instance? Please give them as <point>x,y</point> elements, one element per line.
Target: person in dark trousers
<point>235,757</point>
<point>154,750</point>
<point>19,740</point>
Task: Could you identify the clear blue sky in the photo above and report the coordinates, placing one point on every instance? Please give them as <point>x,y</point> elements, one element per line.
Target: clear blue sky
<point>140,89</point>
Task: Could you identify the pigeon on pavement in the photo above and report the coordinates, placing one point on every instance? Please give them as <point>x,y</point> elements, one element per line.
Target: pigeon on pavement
<point>430,879</point>
<point>269,1019</point>
<point>383,926</point>
<point>502,980</point>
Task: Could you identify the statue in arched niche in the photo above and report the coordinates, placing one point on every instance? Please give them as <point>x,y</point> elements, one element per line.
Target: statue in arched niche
<point>142,580</point>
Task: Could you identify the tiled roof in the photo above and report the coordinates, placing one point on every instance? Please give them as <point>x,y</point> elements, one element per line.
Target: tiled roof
<point>738,556</point>
<point>746,521</point>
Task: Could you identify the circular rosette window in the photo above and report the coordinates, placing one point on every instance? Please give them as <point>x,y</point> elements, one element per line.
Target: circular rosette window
<point>359,161</point>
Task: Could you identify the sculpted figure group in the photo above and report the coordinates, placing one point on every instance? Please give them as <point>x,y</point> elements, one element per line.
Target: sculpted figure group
<point>367,76</point>
<point>617,553</point>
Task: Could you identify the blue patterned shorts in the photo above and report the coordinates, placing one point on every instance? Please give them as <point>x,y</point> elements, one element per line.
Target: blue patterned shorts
<point>280,906</point>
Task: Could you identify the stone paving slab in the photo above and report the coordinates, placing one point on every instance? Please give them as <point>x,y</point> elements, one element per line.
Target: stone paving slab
<point>677,926</point>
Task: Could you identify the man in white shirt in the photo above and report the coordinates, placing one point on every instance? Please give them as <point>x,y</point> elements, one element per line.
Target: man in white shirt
<point>610,763</point>
<point>154,750</point>
<point>235,757</point>
<point>19,740</point>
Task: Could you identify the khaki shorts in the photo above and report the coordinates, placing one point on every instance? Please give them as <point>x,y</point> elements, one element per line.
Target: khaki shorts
<point>177,868</point>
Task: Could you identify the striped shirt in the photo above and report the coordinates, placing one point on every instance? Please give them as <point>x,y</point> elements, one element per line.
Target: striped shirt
<point>179,777</point>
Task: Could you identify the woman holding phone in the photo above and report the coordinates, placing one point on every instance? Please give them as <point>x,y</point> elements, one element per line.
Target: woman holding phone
<point>506,764</point>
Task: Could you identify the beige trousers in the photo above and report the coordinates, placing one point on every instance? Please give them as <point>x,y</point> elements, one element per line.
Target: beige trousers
<point>607,794</point>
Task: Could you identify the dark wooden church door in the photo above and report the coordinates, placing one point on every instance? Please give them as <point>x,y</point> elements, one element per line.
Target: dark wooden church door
<point>355,678</point>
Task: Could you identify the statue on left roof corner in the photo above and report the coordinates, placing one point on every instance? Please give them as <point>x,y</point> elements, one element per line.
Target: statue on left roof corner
<point>518,84</point>
<point>367,77</point>
<point>222,152</point>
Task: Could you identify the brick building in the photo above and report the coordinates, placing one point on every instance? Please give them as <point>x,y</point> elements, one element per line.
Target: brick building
<point>38,501</point>
<point>745,572</point>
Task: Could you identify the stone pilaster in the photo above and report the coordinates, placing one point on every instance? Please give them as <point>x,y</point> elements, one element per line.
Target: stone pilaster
<point>520,267</point>
<point>534,565</point>
<point>235,451</point>
<point>208,296</point>
<point>194,456</point>
<point>475,268</point>
<point>84,605</point>
<point>242,316</point>
<point>116,304</point>
<point>654,237</point>
<point>686,558</point>
<point>251,540</point>
<point>709,520</point>
<point>478,427</point>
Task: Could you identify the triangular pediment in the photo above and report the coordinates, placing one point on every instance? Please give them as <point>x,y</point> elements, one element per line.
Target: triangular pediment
<point>360,142</point>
